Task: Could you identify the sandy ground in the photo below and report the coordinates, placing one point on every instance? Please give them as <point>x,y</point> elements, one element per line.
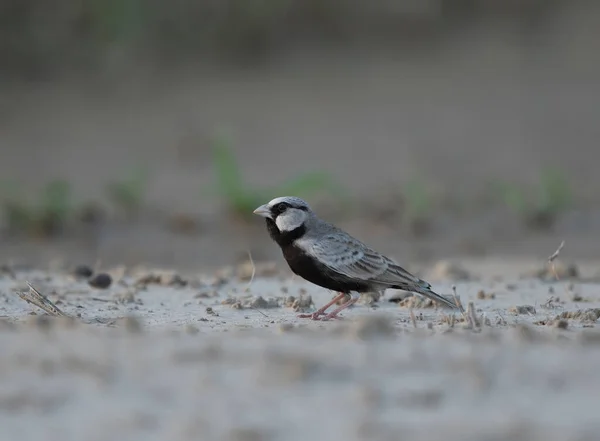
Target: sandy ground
<point>154,358</point>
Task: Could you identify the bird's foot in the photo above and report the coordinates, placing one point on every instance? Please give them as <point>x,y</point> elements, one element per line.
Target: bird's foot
<point>334,314</point>
<point>321,311</point>
<point>313,315</point>
<point>320,316</point>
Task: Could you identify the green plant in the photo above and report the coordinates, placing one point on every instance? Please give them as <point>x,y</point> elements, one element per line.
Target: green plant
<point>512,196</point>
<point>541,205</point>
<point>54,207</point>
<point>243,199</point>
<point>417,205</point>
<point>44,217</point>
<point>554,192</point>
<point>128,194</point>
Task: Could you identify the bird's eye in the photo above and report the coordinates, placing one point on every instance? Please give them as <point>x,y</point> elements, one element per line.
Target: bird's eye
<point>280,208</point>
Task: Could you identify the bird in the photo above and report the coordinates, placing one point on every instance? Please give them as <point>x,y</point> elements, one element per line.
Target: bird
<point>327,256</point>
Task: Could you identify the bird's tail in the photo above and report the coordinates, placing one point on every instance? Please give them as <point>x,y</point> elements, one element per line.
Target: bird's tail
<point>424,288</point>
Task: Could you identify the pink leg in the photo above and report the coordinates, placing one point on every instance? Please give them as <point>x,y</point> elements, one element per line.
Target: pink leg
<point>334,314</point>
<point>321,311</point>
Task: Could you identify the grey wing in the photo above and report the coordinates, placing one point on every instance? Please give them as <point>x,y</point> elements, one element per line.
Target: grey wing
<point>347,256</point>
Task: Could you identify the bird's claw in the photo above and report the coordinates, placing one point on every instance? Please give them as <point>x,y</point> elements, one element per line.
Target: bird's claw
<point>312,315</point>
<point>317,316</point>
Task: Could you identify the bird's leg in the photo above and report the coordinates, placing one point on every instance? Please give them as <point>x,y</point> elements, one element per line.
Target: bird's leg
<point>334,314</point>
<point>321,311</point>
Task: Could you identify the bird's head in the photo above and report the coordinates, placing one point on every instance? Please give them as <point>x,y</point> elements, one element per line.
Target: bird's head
<point>287,212</point>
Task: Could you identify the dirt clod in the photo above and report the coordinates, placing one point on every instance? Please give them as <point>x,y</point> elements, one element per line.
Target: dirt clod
<point>587,315</point>
<point>522,309</point>
<point>101,281</point>
<point>302,303</point>
<point>482,295</point>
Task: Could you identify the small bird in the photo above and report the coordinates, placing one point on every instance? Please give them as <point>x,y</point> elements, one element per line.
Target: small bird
<point>329,257</point>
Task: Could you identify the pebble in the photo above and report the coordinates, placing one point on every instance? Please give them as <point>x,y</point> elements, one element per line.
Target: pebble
<point>101,281</point>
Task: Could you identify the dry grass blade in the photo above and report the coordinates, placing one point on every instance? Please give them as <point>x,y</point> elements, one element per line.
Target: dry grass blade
<point>457,301</point>
<point>34,297</point>
<point>553,257</point>
<point>251,280</point>
<point>473,320</point>
<point>551,260</point>
<point>413,319</point>
<point>555,254</point>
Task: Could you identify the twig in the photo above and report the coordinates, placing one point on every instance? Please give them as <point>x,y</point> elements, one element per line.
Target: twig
<point>34,297</point>
<point>251,280</point>
<point>473,321</point>
<point>457,301</point>
<point>551,260</point>
<point>452,320</point>
<point>555,254</point>
<point>412,317</point>
<point>553,257</point>
<point>253,272</point>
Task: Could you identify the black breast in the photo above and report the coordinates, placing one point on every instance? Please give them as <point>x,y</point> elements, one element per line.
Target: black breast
<point>309,268</point>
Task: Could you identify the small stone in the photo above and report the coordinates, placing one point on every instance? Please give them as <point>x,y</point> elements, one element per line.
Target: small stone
<point>302,303</point>
<point>101,281</point>
<point>482,295</point>
<point>83,272</point>
<point>522,309</point>
<point>167,279</point>
<point>561,324</point>
<point>259,303</point>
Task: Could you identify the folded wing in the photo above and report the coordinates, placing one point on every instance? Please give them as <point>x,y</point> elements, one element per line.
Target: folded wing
<point>351,258</point>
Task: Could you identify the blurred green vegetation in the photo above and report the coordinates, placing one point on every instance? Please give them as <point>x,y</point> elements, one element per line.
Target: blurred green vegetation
<point>43,216</point>
<point>38,34</point>
<point>418,205</point>
<point>53,209</point>
<point>241,198</point>
<point>128,194</point>
<point>542,204</point>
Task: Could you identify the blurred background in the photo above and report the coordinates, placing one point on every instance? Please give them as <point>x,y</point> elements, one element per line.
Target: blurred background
<point>147,131</point>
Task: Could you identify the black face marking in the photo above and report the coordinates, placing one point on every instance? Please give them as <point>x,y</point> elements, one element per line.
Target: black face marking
<point>285,238</point>
<point>279,208</point>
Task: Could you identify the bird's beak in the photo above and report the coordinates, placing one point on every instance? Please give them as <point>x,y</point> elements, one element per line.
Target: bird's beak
<point>263,211</point>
